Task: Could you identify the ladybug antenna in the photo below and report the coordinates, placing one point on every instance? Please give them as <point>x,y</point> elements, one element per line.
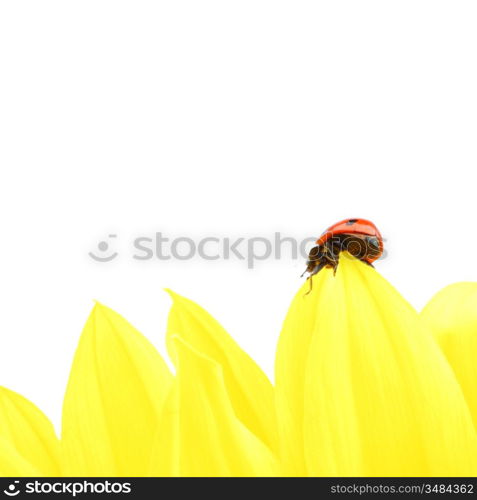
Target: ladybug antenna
<point>310,278</point>
<point>303,273</point>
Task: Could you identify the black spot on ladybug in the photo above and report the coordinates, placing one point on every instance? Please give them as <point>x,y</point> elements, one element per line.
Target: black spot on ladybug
<point>351,222</point>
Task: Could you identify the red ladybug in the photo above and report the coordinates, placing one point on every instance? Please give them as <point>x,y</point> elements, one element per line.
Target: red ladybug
<point>359,237</point>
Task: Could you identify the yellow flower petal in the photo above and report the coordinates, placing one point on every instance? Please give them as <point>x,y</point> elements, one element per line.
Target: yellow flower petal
<point>12,464</point>
<point>362,389</point>
<point>200,434</point>
<point>117,387</point>
<point>452,317</point>
<point>250,391</point>
<point>27,436</point>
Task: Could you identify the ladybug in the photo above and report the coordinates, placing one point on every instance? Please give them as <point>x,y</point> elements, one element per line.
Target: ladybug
<point>359,237</point>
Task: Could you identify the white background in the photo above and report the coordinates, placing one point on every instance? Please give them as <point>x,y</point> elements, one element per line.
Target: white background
<point>223,118</point>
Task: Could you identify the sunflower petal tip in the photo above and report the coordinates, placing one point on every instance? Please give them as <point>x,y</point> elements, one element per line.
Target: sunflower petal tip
<point>97,305</point>
<point>173,295</point>
<point>101,308</point>
<point>170,292</point>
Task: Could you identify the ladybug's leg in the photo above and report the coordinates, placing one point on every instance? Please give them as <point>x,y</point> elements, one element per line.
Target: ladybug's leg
<point>316,270</point>
<point>311,284</point>
<point>334,249</point>
<point>313,258</point>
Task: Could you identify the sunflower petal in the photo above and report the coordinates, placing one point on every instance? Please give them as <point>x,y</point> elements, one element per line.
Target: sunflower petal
<point>12,464</point>
<point>363,389</point>
<point>250,391</point>
<point>200,434</point>
<point>27,436</point>
<point>117,387</point>
<point>452,317</point>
